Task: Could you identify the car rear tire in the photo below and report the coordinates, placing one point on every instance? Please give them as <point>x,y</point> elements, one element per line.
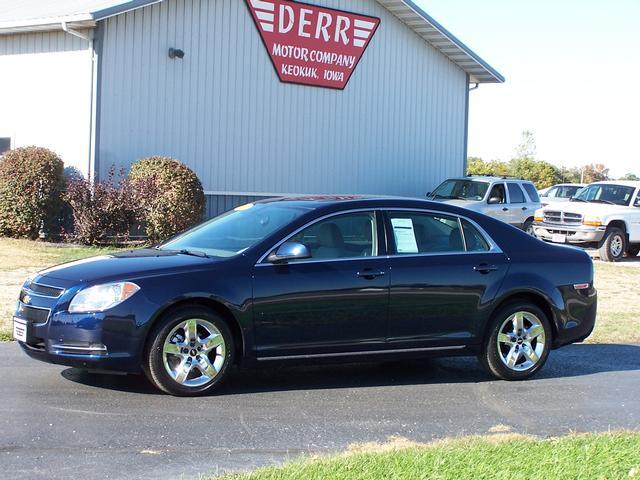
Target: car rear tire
<point>633,250</point>
<point>189,352</point>
<point>613,245</point>
<point>518,342</point>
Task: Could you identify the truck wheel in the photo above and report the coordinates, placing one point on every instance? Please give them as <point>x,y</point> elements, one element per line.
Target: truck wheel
<point>528,227</point>
<point>613,246</point>
<point>633,250</point>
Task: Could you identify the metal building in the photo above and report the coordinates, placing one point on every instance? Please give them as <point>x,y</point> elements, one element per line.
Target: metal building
<point>106,82</point>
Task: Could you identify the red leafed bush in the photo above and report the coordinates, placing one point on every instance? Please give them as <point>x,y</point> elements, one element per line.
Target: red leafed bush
<point>103,211</point>
<point>31,184</point>
<point>169,194</point>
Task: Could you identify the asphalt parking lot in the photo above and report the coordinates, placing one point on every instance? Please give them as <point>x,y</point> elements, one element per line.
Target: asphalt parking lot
<point>59,422</point>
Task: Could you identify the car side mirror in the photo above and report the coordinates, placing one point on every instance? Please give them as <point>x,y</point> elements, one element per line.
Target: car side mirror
<point>494,200</point>
<point>637,202</point>
<point>428,194</point>
<point>289,251</point>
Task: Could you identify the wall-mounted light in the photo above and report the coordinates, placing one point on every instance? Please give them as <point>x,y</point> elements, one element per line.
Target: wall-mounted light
<point>176,53</point>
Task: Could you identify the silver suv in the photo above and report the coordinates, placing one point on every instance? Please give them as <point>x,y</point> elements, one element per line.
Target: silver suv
<point>511,200</point>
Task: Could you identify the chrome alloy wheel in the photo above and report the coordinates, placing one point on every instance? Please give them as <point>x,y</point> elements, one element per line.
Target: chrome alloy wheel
<point>616,246</point>
<point>521,341</point>
<point>194,352</point>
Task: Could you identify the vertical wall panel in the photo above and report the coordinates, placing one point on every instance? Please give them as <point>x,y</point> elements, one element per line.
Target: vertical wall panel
<point>45,93</point>
<point>398,127</point>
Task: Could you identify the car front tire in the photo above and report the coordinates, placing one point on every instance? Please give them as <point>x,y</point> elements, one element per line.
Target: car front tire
<point>613,245</point>
<point>518,342</point>
<point>189,352</point>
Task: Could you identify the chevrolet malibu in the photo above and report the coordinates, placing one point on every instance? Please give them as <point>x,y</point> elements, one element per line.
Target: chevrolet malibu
<point>313,278</point>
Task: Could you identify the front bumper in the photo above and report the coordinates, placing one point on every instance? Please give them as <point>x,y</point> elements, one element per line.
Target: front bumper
<point>577,234</point>
<point>111,340</point>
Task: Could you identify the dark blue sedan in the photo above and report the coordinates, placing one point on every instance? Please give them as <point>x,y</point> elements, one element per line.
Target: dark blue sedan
<point>313,278</point>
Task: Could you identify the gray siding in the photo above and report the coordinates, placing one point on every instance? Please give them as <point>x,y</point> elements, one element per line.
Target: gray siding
<point>398,127</point>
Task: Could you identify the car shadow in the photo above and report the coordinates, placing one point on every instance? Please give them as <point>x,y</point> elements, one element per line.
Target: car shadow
<point>570,361</point>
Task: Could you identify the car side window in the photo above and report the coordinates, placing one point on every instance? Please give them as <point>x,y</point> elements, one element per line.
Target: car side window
<point>474,240</point>
<point>415,232</point>
<point>515,193</point>
<point>342,236</point>
<point>497,191</point>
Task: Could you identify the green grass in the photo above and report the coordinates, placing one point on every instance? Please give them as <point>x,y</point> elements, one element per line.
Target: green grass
<point>501,457</point>
<point>20,259</point>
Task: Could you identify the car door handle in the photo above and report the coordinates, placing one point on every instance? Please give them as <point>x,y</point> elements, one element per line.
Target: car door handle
<point>505,209</point>
<point>485,268</point>
<point>369,274</point>
<point>524,208</point>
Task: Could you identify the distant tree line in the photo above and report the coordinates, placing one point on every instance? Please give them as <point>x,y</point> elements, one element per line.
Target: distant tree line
<point>543,174</point>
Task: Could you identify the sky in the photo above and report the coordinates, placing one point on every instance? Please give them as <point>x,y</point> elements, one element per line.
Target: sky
<point>572,70</point>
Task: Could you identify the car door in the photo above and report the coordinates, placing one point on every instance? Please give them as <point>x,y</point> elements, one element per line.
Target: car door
<point>335,301</point>
<point>444,273</point>
<point>500,209</point>
<point>519,208</point>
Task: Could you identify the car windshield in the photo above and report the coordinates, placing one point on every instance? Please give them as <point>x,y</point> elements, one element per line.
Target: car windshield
<point>461,190</point>
<point>606,193</point>
<point>235,231</point>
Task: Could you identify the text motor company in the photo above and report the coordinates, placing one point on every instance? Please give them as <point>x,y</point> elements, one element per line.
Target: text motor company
<point>312,45</point>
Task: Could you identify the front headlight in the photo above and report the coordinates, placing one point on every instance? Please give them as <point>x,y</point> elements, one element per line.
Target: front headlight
<point>102,297</point>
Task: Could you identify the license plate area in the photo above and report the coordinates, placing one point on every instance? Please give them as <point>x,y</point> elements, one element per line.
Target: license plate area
<point>559,238</point>
<point>20,329</point>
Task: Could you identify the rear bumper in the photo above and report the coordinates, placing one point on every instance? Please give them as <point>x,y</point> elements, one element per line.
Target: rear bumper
<point>579,234</point>
<point>578,319</point>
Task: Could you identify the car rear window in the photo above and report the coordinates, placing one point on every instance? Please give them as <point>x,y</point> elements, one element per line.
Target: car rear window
<point>415,232</point>
<point>531,191</point>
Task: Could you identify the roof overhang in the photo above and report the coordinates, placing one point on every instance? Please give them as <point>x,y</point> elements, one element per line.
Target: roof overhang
<point>424,25</point>
<point>406,10</point>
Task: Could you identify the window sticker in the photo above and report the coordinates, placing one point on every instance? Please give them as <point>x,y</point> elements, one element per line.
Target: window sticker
<point>404,235</point>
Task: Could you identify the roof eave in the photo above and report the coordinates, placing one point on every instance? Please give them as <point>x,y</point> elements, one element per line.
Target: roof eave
<point>440,38</point>
<point>79,22</point>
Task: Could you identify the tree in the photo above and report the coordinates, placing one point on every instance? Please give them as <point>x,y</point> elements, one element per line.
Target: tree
<point>477,166</point>
<point>541,173</point>
<point>527,148</point>
<point>630,176</point>
<point>595,172</point>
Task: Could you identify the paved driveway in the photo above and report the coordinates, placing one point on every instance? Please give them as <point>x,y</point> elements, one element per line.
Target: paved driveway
<point>57,422</point>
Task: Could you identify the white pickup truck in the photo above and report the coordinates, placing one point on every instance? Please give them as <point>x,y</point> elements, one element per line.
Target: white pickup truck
<point>603,215</point>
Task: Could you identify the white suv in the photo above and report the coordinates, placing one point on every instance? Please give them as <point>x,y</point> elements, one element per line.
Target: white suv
<point>603,215</point>
<point>510,200</point>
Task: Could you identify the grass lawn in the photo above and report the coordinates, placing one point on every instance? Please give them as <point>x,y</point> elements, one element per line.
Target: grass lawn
<point>507,457</point>
<point>618,286</point>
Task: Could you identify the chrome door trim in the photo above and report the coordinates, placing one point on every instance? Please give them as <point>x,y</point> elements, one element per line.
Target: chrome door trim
<point>359,352</point>
<point>493,246</point>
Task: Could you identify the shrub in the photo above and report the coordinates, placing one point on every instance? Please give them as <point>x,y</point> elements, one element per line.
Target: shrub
<point>169,194</point>
<point>104,211</point>
<point>31,185</point>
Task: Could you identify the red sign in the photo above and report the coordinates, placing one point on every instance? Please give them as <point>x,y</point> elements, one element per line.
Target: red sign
<point>312,45</point>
